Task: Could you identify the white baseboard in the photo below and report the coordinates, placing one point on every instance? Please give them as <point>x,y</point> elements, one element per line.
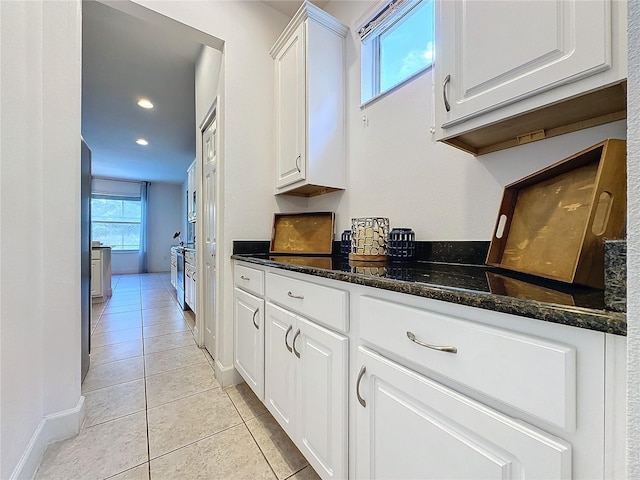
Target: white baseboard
<point>52,428</point>
<point>226,375</point>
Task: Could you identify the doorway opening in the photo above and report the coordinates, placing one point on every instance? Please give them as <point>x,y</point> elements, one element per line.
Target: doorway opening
<point>143,79</point>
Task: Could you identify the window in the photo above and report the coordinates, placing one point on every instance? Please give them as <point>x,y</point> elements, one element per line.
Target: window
<point>115,221</point>
<point>397,44</point>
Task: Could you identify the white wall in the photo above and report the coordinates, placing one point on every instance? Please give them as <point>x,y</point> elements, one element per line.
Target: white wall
<point>40,54</point>
<point>124,263</point>
<point>208,68</point>
<point>396,170</point>
<point>633,245</point>
<point>164,217</point>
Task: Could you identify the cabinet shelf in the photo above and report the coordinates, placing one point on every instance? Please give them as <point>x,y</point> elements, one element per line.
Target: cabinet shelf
<point>592,109</point>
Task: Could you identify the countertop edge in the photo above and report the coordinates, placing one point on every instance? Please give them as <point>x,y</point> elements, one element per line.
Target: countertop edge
<point>598,320</point>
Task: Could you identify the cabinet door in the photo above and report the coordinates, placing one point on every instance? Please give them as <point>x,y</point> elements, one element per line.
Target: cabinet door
<point>187,285</point>
<point>495,53</point>
<point>280,365</point>
<point>96,278</point>
<point>194,291</point>
<point>174,271</point>
<point>249,340</point>
<point>290,110</point>
<point>412,427</point>
<point>321,387</point>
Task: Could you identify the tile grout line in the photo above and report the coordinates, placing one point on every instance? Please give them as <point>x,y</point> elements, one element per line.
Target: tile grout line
<point>146,399</point>
<point>244,422</point>
<point>197,441</point>
<point>182,398</point>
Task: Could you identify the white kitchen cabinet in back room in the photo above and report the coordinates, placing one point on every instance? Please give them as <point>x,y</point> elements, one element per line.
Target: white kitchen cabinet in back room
<point>174,268</point>
<point>101,273</point>
<point>191,193</point>
<point>498,61</point>
<point>309,104</point>
<point>306,387</point>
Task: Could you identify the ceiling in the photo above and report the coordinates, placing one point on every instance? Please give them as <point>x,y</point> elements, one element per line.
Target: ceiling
<point>124,59</point>
<point>290,7</point>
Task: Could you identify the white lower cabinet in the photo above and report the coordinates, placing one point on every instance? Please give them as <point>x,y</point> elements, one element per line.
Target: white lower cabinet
<point>174,268</point>
<point>194,290</point>
<point>190,286</point>
<point>306,387</point>
<point>249,339</point>
<point>409,427</point>
<point>372,384</point>
<point>96,278</point>
<point>101,273</point>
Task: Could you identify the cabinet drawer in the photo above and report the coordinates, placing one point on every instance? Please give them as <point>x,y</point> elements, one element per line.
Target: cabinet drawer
<point>96,254</point>
<point>190,257</point>
<point>249,279</point>
<point>532,374</point>
<point>325,305</point>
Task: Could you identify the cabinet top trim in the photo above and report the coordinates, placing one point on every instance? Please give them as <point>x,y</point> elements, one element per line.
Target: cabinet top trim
<point>308,11</point>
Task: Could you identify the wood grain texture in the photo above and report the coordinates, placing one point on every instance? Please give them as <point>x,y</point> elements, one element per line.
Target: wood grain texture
<point>308,233</point>
<point>557,218</point>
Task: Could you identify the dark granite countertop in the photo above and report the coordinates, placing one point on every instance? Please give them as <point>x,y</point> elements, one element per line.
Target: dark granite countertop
<point>472,285</point>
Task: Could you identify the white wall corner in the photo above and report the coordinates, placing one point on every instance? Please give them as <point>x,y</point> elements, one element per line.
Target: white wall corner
<point>633,242</point>
<point>226,375</point>
<point>52,428</point>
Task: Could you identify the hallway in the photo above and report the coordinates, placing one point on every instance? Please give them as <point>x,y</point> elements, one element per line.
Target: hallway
<point>153,407</point>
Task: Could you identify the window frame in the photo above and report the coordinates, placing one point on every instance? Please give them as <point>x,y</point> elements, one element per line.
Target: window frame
<point>370,47</point>
<point>120,198</point>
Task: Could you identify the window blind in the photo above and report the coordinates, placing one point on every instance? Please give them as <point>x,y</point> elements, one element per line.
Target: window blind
<point>385,14</point>
<point>115,188</point>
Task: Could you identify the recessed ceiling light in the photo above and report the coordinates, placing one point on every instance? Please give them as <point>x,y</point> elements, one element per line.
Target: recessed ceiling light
<point>145,103</point>
<point>142,141</point>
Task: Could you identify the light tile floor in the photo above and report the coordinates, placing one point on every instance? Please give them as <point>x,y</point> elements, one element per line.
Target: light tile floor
<point>153,407</point>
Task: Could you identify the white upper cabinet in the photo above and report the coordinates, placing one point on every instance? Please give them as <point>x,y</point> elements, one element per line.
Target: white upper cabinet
<point>309,104</point>
<point>191,193</point>
<point>497,60</point>
<point>290,111</point>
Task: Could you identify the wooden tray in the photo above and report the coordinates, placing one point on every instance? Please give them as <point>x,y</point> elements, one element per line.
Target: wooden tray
<point>553,223</point>
<point>302,233</point>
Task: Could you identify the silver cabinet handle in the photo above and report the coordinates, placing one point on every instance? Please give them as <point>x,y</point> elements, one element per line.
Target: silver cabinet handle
<point>447,79</point>
<point>294,343</point>
<point>301,297</point>
<point>286,335</point>
<point>298,163</point>
<point>254,319</point>
<point>362,401</point>
<point>447,348</point>
<point>242,277</point>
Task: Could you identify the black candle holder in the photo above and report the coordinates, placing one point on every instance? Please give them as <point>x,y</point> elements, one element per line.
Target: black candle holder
<point>402,244</point>
<point>345,243</point>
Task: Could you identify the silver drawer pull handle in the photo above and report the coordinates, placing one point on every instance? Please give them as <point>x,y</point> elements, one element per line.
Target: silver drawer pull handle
<point>294,343</point>
<point>448,348</point>
<point>242,277</point>
<point>298,163</point>
<point>286,335</point>
<point>301,297</point>
<point>254,319</point>
<point>447,79</point>
<point>362,401</point>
